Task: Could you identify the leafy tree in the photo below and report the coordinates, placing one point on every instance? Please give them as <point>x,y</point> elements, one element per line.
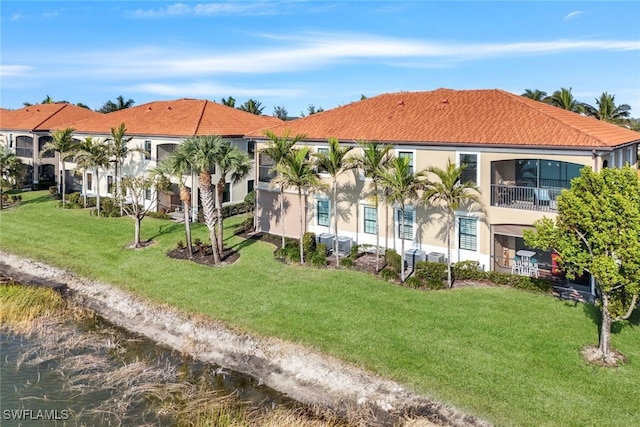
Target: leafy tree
<point>564,99</point>
<point>11,170</point>
<point>402,185</point>
<point>374,159</point>
<point>94,155</point>
<point>201,152</point>
<point>252,106</point>
<point>279,147</point>
<point>178,165</point>
<point>120,104</point>
<point>118,151</point>
<point>450,193</point>
<point>296,170</point>
<point>230,162</point>
<point>66,147</point>
<point>535,94</point>
<point>596,230</point>
<point>280,112</point>
<point>334,162</point>
<point>143,192</point>
<point>229,102</point>
<point>81,105</point>
<point>608,111</point>
<point>312,109</point>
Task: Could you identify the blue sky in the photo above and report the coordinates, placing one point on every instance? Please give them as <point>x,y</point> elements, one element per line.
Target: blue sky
<point>325,53</point>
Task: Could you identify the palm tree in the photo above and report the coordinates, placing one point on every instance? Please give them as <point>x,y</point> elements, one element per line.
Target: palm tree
<point>295,170</point>
<point>402,185</point>
<point>608,111</point>
<point>375,157</point>
<point>564,99</point>
<point>450,193</point>
<point>233,162</point>
<point>93,154</point>
<point>535,94</point>
<point>252,106</point>
<point>66,147</point>
<point>118,151</point>
<point>278,147</point>
<point>229,102</point>
<point>178,165</point>
<point>201,152</point>
<point>334,162</point>
<point>120,104</point>
<point>11,168</point>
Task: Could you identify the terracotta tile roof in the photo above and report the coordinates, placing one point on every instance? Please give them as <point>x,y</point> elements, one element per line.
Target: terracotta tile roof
<point>43,117</point>
<point>446,116</point>
<point>178,118</point>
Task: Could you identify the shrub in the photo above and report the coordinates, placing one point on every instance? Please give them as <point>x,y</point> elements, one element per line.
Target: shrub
<point>159,215</point>
<point>247,224</point>
<point>467,270</point>
<point>321,248</point>
<point>180,245</point>
<point>236,209</point>
<point>74,201</point>
<point>431,271</point>
<point>108,208</point>
<point>53,191</point>
<point>308,243</point>
<point>393,260</point>
<point>435,284</point>
<point>318,258</point>
<point>389,274</point>
<point>413,282</point>
<point>346,262</point>
<point>353,253</point>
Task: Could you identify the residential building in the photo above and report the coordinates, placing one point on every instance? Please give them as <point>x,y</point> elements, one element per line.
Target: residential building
<point>521,154</point>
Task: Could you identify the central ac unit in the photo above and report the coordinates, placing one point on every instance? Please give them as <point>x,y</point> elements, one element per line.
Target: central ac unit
<point>327,240</point>
<point>344,244</point>
<point>412,256</point>
<point>435,257</point>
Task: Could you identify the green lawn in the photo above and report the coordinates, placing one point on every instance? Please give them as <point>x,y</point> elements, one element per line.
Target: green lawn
<point>507,356</point>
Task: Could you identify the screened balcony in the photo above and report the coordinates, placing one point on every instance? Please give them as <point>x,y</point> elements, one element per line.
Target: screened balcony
<point>530,184</point>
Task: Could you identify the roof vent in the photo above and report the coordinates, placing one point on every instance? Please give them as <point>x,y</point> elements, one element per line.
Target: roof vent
<point>169,107</point>
<point>444,101</point>
<point>401,102</point>
<point>149,108</point>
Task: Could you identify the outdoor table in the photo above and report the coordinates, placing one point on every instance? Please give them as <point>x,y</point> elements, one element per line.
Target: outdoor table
<point>525,255</point>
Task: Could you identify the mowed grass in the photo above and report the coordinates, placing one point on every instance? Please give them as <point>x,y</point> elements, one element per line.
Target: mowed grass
<point>507,356</point>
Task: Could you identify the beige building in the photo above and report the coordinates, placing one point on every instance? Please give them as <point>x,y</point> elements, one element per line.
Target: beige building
<point>521,154</point>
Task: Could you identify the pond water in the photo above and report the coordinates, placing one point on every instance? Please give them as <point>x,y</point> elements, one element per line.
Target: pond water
<point>96,374</point>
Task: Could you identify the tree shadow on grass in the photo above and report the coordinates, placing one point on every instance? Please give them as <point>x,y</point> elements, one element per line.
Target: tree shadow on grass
<point>45,198</point>
<point>167,229</point>
<point>593,312</point>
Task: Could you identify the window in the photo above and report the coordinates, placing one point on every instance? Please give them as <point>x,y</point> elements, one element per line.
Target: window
<point>250,185</point>
<point>370,220</point>
<point>409,155</point>
<point>226,196</point>
<point>147,150</point>
<point>110,184</point>
<point>147,193</point>
<point>470,172</point>
<point>265,168</point>
<point>251,147</point>
<point>322,212</point>
<point>89,182</point>
<point>24,147</point>
<point>468,238</point>
<point>325,151</point>
<point>407,233</point>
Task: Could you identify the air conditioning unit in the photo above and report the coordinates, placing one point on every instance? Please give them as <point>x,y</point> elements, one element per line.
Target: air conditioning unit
<point>435,257</point>
<point>344,245</point>
<point>327,240</point>
<point>412,256</point>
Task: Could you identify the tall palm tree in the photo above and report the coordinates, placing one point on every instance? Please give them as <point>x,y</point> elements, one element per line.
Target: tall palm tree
<point>120,104</point>
<point>178,165</point>
<point>402,185</point>
<point>535,94</point>
<point>279,147</point>
<point>229,102</point>
<point>11,168</point>
<point>201,152</point>
<point>66,147</point>
<point>296,170</point>
<point>334,162</point>
<point>564,99</point>
<point>118,151</point>
<point>93,154</point>
<point>235,163</point>
<point>608,111</point>
<point>374,159</point>
<point>252,106</point>
<point>450,193</point>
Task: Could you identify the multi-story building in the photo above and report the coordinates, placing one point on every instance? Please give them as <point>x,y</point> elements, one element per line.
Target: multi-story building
<point>519,152</point>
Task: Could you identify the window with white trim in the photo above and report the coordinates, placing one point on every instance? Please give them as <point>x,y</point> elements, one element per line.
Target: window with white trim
<point>468,234</point>
<point>322,212</point>
<point>370,220</point>
<point>89,182</point>
<point>147,149</point>
<point>324,151</point>
<point>470,172</point>
<point>409,155</point>
<point>407,233</point>
<point>226,194</point>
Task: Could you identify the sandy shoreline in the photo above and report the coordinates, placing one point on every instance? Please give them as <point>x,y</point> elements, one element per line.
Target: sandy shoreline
<point>303,374</point>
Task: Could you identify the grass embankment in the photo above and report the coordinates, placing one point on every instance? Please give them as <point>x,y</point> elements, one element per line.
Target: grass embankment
<point>508,356</point>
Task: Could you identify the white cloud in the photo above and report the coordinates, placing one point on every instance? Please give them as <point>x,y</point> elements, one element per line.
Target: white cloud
<point>14,70</point>
<point>207,9</point>
<point>572,15</point>
<point>203,90</point>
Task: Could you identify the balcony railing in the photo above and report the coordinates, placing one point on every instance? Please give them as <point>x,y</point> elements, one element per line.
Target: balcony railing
<point>541,199</point>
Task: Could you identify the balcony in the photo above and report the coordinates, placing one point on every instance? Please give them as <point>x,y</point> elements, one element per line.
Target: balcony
<point>542,199</point>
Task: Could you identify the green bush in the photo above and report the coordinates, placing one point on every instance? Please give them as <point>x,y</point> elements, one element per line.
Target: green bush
<point>393,260</point>
<point>430,271</point>
<point>236,209</point>
<point>346,262</point>
<point>353,253</point>
<point>413,282</point>
<point>321,248</point>
<point>435,284</point>
<point>389,274</point>
<point>159,215</point>
<point>318,258</point>
<point>308,243</point>
<point>467,270</point>
<point>247,224</point>
<point>108,208</point>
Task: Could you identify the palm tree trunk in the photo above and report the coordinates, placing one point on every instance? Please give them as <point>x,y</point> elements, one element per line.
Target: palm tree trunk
<point>375,189</point>
<point>335,221</point>
<point>186,201</point>
<point>84,198</point>
<point>302,212</point>
<point>219,198</point>
<point>402,245</point>
<point>450,283</point>
<point>208,210</point>
<point>282,213</point>
<point>63,182</point>
<point>98,192</point>
<point>386,223</point>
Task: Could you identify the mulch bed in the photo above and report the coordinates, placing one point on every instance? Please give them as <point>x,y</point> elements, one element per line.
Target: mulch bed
<point>205,256</point>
